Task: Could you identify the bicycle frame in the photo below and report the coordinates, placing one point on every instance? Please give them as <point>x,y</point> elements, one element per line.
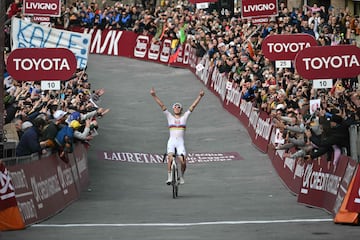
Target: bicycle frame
<point>174,174</point>
<point>175,177</point>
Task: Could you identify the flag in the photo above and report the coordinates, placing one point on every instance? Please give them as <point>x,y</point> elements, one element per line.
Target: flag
<point>251,50</point>
<point>175,48</point>
<point>182,34</point>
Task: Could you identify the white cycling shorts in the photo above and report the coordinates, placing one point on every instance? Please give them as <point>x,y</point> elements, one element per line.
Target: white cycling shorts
<point>178,144</point>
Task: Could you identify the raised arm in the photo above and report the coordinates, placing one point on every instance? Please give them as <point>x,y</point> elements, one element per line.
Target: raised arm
<point>157,99</point>
<point>197,100</point>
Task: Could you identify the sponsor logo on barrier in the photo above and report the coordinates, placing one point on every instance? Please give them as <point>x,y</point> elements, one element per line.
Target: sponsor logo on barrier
<point>258,8</point>
<point>233,96</point>
<point>154,51</point>
<point>218,83</point>
<point>341,61</point>
<point>6,188</point>
<point>45,188</point>
<point>263,128</point>
<point>28,209</point>
<point>187,54</point>
<point>253,118</point>
<point>320,181</point>
<point>141,46</point>
<point>165,51</point>
<point>245,107</point>
<point>18,179</point>
<point>105,40</point>
<point>65,178</point>
<point>35,64</point>
<point>205,73</point>
<point>158,158</point>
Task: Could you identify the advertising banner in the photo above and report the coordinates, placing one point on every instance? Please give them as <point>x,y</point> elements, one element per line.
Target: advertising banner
<point>50,8</point>
<point>342,61</point>
<point>290,170</point>
<point>32,35</point>
<point>259,129</point>
<point>141,47</point>
<point>320,186</point>
<point>48,185</point>
<point>285,47</point>
<point>35,64</point>
<point>259,8</point>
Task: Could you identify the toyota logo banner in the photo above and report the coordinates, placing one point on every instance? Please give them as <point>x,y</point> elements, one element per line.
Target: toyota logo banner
<point>342,61</point>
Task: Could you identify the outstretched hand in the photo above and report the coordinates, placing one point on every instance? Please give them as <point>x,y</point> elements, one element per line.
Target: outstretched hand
<point>202,93</point>
<point>152,92</point>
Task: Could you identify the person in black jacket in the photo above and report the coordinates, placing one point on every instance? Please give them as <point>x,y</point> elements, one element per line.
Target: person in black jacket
<point>337,134</point>
<point>29,142</point>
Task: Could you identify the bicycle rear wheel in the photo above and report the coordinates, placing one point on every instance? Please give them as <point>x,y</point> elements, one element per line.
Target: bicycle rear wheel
<point>177,183</point>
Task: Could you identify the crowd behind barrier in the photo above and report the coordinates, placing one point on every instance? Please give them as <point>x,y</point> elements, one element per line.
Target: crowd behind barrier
<point>224,51</point>
<point>233,46</point>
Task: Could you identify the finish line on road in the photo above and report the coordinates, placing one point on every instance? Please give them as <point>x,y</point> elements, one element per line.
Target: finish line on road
<point>158,158</point>
<point>182,224</point>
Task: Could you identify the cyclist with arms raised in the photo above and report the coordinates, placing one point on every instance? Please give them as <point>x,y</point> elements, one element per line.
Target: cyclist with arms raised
<point>177,127</point>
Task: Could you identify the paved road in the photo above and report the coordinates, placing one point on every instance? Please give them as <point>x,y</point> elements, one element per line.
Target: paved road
<point>221,200</point>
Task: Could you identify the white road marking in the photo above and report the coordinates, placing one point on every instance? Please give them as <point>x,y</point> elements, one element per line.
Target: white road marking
<point>181,224</point>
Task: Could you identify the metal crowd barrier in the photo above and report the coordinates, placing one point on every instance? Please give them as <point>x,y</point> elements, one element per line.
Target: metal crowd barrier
<point>11,161</point>
<point>9,158</point>
<point>354,132</point>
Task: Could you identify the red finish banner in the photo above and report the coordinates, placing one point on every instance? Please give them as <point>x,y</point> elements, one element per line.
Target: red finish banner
<point>42,7</point>
<point>259,8</point>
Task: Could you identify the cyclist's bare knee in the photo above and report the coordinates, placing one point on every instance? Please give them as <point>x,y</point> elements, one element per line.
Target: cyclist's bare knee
<point>183,162</point>
<point>170,158</point>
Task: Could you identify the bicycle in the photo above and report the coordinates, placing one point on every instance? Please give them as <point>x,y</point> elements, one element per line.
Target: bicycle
<point>175,182</point>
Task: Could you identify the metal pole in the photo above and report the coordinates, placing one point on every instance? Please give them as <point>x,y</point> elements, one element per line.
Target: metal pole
<point>2,65</point>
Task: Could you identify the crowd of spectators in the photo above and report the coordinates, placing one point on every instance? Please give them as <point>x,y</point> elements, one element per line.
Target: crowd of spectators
<point>52,120</point>
<point>49,121</point>
<point>233,46</point>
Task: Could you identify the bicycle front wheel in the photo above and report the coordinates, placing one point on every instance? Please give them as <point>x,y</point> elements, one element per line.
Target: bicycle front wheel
<point>174,183</point>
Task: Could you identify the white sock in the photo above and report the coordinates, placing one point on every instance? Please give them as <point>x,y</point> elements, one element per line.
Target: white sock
<point>169,175</point>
